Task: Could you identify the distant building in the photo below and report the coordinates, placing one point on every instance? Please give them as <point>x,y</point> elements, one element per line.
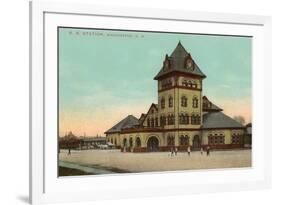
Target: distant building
<point>182,117</point>
<point>92,142</point>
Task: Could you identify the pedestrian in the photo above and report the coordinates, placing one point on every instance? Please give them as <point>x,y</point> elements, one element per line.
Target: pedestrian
<point>201,150</point>
<point>188,150</point>
<point>69,151</point>
<point>208,151</point>
<point>176,151</point>
<point>172,151</point>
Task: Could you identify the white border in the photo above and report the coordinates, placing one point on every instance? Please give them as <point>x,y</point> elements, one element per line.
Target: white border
<point>45,187</point>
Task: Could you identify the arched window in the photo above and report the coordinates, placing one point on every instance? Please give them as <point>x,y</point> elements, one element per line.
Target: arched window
<point>171,140</point>
<point>125,142</point>
<point>171,119</point>
<point>184,83</point>
<point>186,120</point>
<point>170,102</point>
<point>148,122</point>
<point>194,84</point>
<point>183,140</point>
<point>156,122</point>
<point>131,142</point>
<point>181,118</point>
<point>189,84</point>
<point>187,139</point>
<point>195,102</point>
<point>152,122</point>
<point>197,119</point>
<point>183,101</point>
<point>138,142</point>
<point>193,119</point>
<point>166,84</point>
<point>162,121</point>
<point>162,103</point>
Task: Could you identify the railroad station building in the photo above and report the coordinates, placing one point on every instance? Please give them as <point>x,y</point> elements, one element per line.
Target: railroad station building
<point>182,116</point>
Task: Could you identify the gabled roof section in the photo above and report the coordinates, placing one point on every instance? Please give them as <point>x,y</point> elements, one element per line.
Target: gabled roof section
<point>177,62</point>
<point>128,122</point>
<point>142,118</point>
<point>219,120</point>
<point>153,105</point>
<point>208,106</point>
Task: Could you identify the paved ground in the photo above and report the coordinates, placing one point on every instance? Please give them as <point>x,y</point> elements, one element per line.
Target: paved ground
<point>158,161</point>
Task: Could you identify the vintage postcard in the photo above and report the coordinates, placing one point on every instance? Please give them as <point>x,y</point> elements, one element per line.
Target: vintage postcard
<point>142,101</point>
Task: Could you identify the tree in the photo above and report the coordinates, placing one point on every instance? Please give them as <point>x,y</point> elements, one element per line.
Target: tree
<point>69,141</point>
<point>239,119</point>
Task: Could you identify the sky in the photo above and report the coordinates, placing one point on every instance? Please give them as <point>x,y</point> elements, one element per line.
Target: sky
<point>106,75</point>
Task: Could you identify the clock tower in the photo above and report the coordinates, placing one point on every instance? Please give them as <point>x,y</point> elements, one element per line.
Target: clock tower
<point>180,91</point>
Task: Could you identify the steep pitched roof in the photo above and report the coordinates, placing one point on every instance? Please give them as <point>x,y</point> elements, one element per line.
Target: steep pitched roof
<point>127,122</point>
<point>219,120</point>
<point>143,116</point>
<point>208,106</point>
<point>177,62</point>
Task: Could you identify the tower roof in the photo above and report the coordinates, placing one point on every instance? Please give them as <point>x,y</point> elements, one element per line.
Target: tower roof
<point>177,61</point>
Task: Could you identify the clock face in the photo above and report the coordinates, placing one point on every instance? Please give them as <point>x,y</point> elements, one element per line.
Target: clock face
<point>189,63</point>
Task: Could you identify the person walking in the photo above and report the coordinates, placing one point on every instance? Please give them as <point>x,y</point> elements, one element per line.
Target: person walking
<point>172,151</point>
<point>69,151</point>
<point>208,151</point>
<point>202,150</point>
<point>188,150</point>
<point>176,151</point>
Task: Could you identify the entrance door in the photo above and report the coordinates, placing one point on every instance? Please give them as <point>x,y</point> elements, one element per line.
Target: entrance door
<point>196,142</point>
<point>152,144</point>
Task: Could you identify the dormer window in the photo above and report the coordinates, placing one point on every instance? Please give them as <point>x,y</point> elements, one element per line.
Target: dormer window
<point>166,63</point>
